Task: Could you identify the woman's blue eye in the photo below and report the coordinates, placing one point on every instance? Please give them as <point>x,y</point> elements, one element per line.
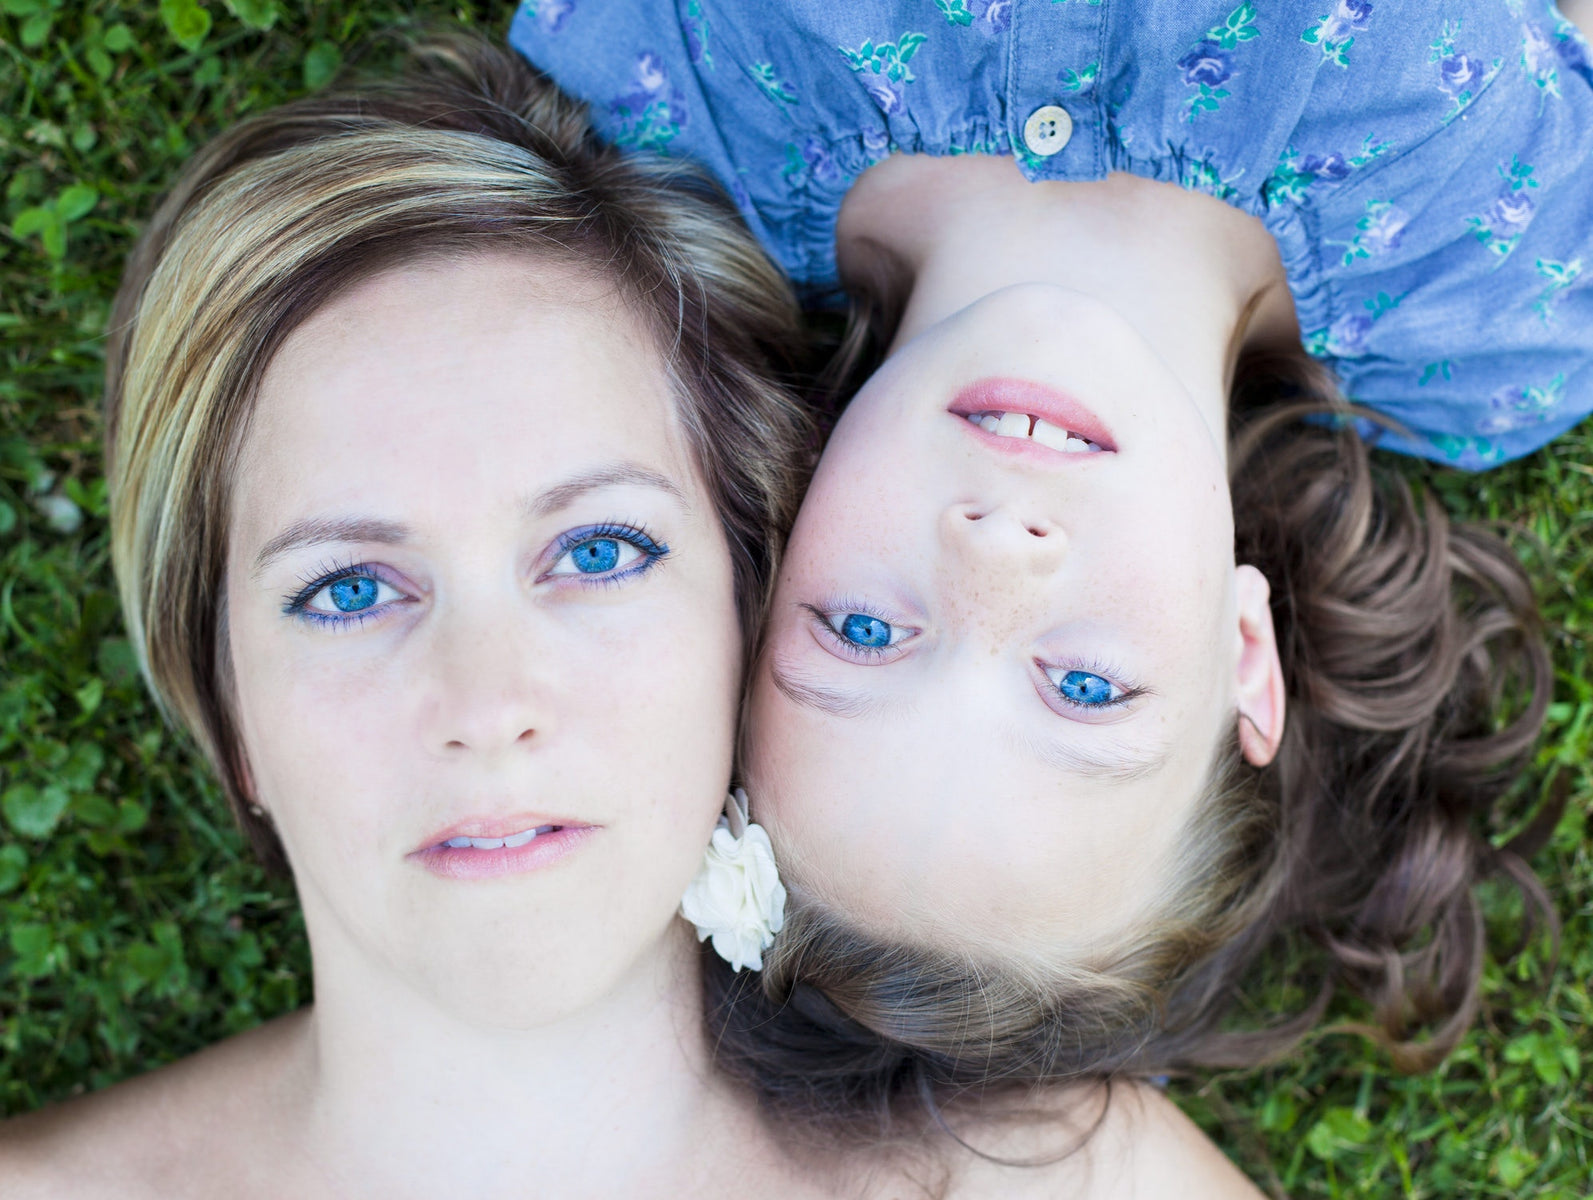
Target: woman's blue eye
<point>350,594</point>
<point>353,593</point>
<point>863,630</point>
<point>595,556</point>
<point>1084,687</point>
<point>606,552</point>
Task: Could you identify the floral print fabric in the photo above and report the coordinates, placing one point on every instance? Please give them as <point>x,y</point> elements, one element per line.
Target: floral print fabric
<point>1425,166</point>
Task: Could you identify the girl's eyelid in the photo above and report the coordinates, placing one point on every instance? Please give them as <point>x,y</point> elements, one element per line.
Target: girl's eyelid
<point>1107,671</point>
<point>831,639</point>
<point>840,606</point>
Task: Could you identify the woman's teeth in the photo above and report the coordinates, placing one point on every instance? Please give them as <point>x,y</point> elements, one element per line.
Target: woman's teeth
<point>1022,425</point>
<point>513,840</point>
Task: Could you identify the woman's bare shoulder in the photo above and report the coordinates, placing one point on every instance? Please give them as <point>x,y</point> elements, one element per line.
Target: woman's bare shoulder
<point>174,1132</point>
<point>1127,1141</point>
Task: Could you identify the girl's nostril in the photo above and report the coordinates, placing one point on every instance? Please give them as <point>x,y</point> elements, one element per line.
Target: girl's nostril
<point>973,516</point>
<point>1036,532</point>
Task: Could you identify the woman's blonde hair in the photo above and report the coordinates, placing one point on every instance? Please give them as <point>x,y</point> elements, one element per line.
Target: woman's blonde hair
<point>467,150</point>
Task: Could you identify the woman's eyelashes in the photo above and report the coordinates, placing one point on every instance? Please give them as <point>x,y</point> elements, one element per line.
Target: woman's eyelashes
<point>347,594</point>
<point>343,595</point>
<point>605,554</point>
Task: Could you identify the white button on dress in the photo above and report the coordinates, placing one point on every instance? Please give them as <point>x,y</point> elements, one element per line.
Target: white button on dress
<point>1047,130</point>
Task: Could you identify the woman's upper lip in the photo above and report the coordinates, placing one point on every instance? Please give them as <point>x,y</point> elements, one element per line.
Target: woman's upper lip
<point>1036,399</point>
<point>498,827</point>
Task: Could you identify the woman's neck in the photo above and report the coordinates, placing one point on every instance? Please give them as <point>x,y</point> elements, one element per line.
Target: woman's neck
<point>393,1096</point>
<point>1195,276</point>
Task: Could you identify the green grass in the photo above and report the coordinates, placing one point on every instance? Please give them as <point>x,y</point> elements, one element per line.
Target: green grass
<point>133,927</point>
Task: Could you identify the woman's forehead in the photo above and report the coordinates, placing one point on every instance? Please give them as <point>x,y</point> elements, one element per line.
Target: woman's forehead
<point>458,379</point>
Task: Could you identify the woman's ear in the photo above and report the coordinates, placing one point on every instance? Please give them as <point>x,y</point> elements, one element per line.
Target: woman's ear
<point>1260,672</point>
<point>243,774</point>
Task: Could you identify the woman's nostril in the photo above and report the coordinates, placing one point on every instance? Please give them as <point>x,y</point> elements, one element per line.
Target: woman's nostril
<point>1037,532</point>
<point>973,516</point>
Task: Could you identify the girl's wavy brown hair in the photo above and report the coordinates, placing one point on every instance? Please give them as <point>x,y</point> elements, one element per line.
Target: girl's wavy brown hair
<point>1417,680</point>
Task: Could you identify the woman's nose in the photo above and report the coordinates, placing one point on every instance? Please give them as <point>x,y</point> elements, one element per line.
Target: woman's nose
<point>1005,534</point>
<point>488,694</point>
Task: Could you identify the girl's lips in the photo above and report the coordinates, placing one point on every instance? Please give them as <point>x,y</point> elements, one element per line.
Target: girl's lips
<point>1038,400</point>
<point>470,862</point>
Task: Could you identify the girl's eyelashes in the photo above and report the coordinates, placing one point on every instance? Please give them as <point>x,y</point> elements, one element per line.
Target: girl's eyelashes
<point>346,594</point>
<point>1090,687</point>
<point>601,555</point>
<point>851,631</point>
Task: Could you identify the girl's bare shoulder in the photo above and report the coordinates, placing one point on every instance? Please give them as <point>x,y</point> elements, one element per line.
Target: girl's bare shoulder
<point>192,1128</point>
<point>1125,1142</point>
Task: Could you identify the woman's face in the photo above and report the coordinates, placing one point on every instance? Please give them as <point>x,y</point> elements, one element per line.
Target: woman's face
<point>997,672</point>
<point>481,624</point>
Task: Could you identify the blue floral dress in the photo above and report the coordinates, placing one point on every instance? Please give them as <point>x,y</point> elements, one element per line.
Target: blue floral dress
<point>1426,166</point>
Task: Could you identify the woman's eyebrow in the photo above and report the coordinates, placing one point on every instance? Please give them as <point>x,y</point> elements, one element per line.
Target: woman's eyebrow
<point>562,495</point>
<point>314,531</point>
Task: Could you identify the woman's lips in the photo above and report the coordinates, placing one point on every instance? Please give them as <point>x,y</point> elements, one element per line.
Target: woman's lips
<point>1036,400</point>
<point>489,848</point>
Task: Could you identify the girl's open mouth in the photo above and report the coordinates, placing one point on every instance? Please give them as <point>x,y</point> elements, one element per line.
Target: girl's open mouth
<point>1020,414</point>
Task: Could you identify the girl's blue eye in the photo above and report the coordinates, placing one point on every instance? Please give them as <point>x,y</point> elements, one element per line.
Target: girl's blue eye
<point>1086,688</point>
<point>860,636</point>
<point>352,593</point>
<point>863,630</point>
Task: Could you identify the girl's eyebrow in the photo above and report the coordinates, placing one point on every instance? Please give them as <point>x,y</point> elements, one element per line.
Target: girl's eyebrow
<point>837,702</point>
<point>315,531</point>
<point>1115,761</point>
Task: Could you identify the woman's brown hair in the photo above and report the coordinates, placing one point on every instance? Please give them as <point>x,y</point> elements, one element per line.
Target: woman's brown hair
<point>467,150</point>
<point>1418,681</point>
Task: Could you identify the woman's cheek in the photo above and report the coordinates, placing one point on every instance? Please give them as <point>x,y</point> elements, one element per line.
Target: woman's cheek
<point>319,737</point>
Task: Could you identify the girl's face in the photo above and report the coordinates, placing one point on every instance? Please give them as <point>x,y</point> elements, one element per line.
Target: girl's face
<point>483,636</point>
<point>997,672</point>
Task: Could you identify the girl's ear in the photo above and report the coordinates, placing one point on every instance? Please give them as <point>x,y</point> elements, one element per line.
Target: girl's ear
<point>1260,672</point>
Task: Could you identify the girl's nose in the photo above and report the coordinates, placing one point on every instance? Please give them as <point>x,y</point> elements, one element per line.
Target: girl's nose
<point>1006,535</point>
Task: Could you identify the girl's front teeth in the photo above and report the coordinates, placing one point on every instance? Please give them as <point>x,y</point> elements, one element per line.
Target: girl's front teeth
<point>1022,425</point>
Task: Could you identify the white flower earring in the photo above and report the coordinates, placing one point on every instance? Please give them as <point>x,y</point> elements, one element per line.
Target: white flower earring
<point>737,898</point>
